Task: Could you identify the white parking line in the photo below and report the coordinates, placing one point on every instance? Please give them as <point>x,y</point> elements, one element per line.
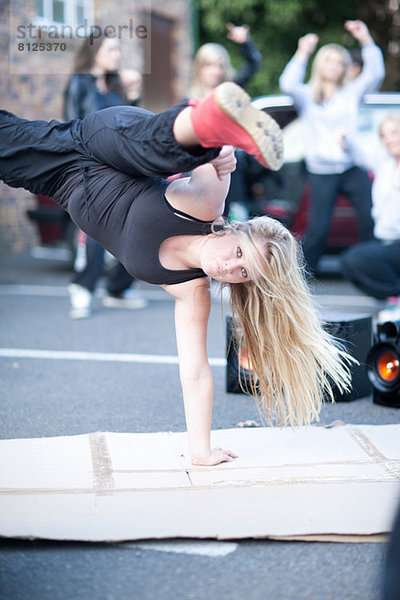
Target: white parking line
<point>160,359</point>
<point>347,300</point>
<point>213,549</point>
<point>33,290</point>
<point>58,290</point>
<point>159,294</point>
<point>42,252</point>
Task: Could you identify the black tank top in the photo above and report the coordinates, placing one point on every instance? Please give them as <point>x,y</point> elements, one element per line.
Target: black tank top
<point>153,220</point>
<point>131,218</point>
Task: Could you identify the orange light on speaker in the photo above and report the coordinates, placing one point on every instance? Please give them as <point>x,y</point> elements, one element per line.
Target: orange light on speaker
<point>383,364</point>
<point>244,360</point>
<point>388,366</point>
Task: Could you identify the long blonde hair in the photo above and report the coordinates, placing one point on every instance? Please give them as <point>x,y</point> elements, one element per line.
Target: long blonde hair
<point>294,361</point>
<point>316,80</point>
<point>208,54</point>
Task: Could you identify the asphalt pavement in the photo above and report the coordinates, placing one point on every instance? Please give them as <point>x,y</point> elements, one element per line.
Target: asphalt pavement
<point>48,395</point>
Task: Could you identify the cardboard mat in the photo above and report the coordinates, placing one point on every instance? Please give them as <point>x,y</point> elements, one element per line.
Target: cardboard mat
<point>340,483</point>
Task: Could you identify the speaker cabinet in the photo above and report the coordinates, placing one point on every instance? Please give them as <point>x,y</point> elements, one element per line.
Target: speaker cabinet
<point>237,377</point>
<point>355,333</point>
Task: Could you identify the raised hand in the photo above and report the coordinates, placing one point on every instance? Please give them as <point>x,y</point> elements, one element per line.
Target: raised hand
<point>132,82</point>
<point>238,34</point>
<point>359,31</point>
<point>307,45</point>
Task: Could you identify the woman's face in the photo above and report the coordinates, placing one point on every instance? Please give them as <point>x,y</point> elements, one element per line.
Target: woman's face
<point>223,259</point>
<point>390,136</point>
<point>333,67</point>
<point>108,56</point>
<point>212,73</point>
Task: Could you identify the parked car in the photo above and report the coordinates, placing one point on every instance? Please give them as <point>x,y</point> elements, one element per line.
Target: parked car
<point>283,194</point>
<point>54,225</point>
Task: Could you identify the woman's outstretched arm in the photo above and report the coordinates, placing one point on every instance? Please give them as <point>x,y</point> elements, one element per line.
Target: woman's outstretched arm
<point>373,71</point>
<point>291,80</point>
<point>192,309</point>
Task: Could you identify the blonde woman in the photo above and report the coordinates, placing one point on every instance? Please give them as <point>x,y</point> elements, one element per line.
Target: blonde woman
<point>327,105</point>
<point>374,266</point>
<point>170,233</point>
<point>212,63</point>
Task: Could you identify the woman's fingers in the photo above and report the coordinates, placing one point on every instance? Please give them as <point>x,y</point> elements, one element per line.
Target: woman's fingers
<point>226,452</point>
<point>219,456</point>
<point>226,155</point>
<point>225,162</point>
<point>238,34</point>
<point>308,42</point>
<point>358,30</point>
<point>216,456</point>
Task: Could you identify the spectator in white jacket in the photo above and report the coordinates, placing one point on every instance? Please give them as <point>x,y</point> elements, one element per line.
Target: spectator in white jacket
<point>374,266</point>
<point>327,104</point>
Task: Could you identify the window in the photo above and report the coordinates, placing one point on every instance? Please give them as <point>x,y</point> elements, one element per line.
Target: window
<point>64,12</point>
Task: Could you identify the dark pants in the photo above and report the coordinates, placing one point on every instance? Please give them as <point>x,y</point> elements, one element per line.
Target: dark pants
<point>45,157</point>
<point>374,267</point>
<point>97,167</point>
<point>137,142</point>
<point>89,273</point>
<point>238,191</point>
<point>356,185</point>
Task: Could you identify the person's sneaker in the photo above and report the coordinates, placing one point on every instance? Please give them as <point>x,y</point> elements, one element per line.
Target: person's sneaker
<point>391,312</point>
<point>81,301</point>
<point>126,299</point>
<point>226,116</point>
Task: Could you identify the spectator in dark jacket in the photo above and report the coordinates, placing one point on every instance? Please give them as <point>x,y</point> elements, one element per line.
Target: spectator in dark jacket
<point>97,83</point>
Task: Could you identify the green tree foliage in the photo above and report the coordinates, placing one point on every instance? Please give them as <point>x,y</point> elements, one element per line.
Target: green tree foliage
<point>276,26</point>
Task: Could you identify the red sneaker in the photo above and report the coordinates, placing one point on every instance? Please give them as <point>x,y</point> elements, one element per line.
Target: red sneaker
<point>226,116</point>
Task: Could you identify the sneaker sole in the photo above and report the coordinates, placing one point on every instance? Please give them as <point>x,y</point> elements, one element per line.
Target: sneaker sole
<point>264,131</point>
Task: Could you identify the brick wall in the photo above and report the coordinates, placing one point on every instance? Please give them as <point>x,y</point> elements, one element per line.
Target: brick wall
<point>33,94</point>
<point>182,38</point>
